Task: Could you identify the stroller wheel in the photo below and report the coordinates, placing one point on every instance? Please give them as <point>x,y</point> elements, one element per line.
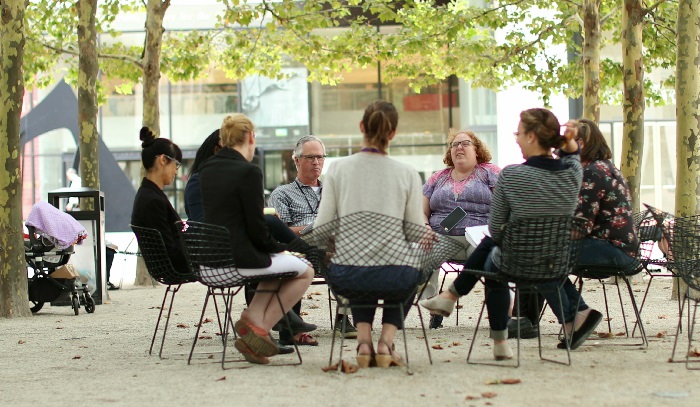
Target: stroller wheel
<point>76,304</point>
<point>36,306</point>
<point>89,304</point>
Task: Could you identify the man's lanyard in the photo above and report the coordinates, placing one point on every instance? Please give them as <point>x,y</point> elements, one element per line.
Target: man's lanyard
<point>318,199</point>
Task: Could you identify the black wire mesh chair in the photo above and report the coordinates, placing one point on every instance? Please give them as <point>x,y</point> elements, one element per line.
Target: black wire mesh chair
<point>683,235</point>
<point>535,252</point>
<point>161,269</point>
<point>209,253</point>
<point>646,230</point>
<point>379,242</point>
<point>447,267</point>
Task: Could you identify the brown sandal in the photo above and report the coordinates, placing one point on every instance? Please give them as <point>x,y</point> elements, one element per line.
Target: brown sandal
<point>387,360</point>
<point>365,360</point>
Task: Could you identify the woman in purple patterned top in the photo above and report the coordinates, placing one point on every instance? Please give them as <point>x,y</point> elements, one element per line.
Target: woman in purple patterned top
<point>467,182</point>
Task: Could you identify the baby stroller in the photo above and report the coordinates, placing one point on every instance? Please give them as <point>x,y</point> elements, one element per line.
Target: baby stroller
<point>45,255</point>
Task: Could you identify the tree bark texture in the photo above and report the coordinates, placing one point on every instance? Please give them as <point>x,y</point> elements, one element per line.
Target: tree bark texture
<point>87,95</point>
<point>155,13</point>
<point>633,103</point>
<point>14,301</point>
<point>591,60</point>
<point>688,112</point>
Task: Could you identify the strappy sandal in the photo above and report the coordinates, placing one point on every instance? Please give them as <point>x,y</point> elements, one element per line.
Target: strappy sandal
<point>365,360</point>
<point>387,360</point>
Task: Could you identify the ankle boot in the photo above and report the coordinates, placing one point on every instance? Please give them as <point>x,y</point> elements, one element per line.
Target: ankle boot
<point>298,324</point>
<point>313,254</point>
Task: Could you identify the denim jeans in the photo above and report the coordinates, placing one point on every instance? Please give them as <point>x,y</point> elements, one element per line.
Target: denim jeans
<point>594,252</point>
<point>497,293</point>
<point>364,286</point>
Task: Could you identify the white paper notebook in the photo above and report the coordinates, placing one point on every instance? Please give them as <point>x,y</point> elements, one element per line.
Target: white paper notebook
<point>474,234</point>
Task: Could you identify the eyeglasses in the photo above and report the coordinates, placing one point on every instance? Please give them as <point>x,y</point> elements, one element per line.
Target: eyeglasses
<point>463,143</point>
<point>311,158</point>
<point>177,163</point>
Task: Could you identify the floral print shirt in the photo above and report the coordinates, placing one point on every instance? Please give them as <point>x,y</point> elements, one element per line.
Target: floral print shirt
<point>604,201</point>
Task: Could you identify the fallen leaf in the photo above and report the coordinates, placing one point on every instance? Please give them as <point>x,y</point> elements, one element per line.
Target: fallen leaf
<point>663,316</point>
<point>460,306</point>
<point>59,327</point>
<point>694,353</point>
<point>472,398</point>
<point>437,347</point>
<point>21,342</point>
<point>348,367</point>
<point>313,306</point>
<point>510,381</point>
<point>207,320</point>
<point>205,337</point>
<point>605,334</point>
<point>76,357</point>
<point>488,395</point>
<point>316,293</point>
<point>620,334</point>
<point>456,344</point>
<point>661,334</point>
<point>303,313</point>
<point>330,367</point>
<point>182,326</point>
<point>220,379</point>
<point>210,357</point>
<point>309,297</point>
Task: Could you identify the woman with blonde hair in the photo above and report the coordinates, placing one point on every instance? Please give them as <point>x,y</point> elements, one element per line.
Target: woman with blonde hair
<point>232,196</point>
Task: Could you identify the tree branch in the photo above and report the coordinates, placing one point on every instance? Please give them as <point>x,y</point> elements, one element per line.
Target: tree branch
<point>125,58</point>
<point>610,14</point>
<point>655,6</point>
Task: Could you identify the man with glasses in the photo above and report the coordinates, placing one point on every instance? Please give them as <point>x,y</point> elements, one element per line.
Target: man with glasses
<point>297,203</point>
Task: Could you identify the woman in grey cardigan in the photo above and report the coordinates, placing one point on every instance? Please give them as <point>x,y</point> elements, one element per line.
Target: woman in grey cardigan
<point>542,186</point>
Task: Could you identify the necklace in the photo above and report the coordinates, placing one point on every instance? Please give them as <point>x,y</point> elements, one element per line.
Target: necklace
<point>372,150</point>
<point>458,185</point>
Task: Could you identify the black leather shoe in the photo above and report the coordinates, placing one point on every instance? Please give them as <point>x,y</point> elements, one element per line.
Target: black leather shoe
<point>585,330</point>
<point>111,287</point>
<point>298,324</point>
<point>527,329</point>
<point>284,350</point>
<point>435,321</point>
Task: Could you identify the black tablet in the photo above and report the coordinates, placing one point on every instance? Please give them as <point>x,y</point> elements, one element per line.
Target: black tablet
<point>453,219</point>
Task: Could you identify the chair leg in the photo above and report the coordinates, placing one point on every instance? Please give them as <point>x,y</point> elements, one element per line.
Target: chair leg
<point>637,314</point>
<point>622,305</point>
<point>644,299</point>
<point>471,346</point>
<point>605,300</point>
<point>425,334</point>
<point>679,328</point>
<point>567,339</point>
<point>160,314</point>
<point>337,313</point>
<point>167,320</point>
<point>199,325</point>
<point>227,324</point>
<point>688,362</point>
<point>287,322</point>
<point>405,341</point>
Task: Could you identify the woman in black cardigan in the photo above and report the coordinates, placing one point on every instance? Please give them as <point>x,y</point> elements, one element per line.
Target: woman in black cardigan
<point>232,196</point>
<point>152,209</point>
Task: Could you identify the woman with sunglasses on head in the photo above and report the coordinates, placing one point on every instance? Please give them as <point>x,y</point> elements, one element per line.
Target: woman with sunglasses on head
<point>468,183</point>
<point>544,185</point>
<point>152,209</point>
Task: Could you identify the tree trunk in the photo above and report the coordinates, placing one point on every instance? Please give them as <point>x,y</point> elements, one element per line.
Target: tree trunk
<point>687,108</point>
<point>87,95</point>
<point>155,12</point>
<point>591,60</point>
<point>151,62</point>
<point>14,301</point>
<point>633,104</point>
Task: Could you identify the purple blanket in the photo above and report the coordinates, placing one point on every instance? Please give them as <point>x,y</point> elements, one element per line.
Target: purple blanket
<point>58,227</point>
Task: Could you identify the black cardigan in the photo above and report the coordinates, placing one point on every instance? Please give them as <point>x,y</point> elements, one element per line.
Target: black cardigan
<point>152,209</point>
<point>232,196</point>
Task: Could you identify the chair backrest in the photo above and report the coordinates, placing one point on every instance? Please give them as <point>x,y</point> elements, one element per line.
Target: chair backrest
<point>156,257</point>
<point>368,239</point>
<point>686,249</point>
<point>210,254</point>
<point>539,249</point>
<point>648,233</point>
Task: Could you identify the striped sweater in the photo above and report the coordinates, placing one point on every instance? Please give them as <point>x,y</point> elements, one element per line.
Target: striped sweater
<point>538,187</point>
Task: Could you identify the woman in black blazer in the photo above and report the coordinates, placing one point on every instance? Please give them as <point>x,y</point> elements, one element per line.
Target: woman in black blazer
<point>232,196</point>
<point>152,209</point>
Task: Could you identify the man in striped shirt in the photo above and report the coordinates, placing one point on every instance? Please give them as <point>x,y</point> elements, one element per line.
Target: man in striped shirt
<point>297,203</point>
